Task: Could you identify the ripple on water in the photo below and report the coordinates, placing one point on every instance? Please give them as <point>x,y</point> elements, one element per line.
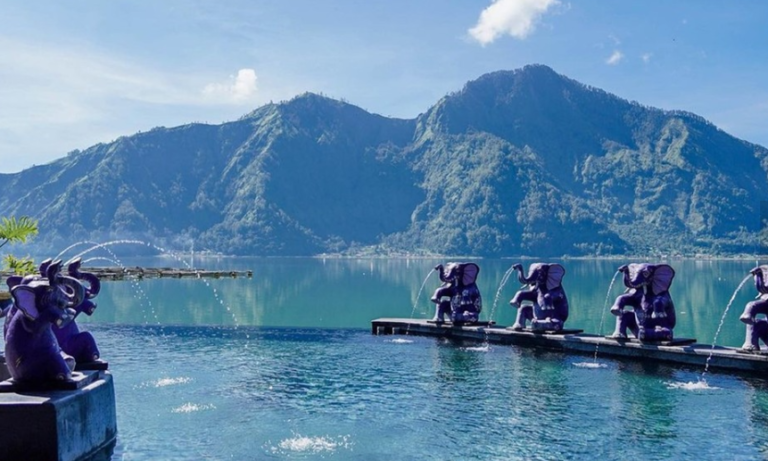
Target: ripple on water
<point>193,407</point>
<point>314,445</point>
<point>165,382</point>
<point>691,386</point>
<point>483,348</point>
<point>401,341</point>
<point>590,365</point>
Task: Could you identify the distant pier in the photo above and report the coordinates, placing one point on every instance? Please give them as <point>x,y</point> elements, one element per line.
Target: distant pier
<point>135,272</point>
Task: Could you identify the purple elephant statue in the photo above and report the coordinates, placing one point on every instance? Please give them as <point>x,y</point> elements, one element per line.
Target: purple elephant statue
<point>546,304</point>
<point>459,285</point>
<point>653,313</point>
<point>757,329</point>
<point>14,280</point>
<point>31,350</point>
<point>80,344</point>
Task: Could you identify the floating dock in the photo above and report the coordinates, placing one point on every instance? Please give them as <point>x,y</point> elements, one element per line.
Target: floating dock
<point>680,351</point>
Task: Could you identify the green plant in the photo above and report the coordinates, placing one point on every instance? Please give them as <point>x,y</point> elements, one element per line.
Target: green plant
<point>14,230</point>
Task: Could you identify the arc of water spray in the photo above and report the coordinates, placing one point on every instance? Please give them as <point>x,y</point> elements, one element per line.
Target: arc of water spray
<point>140,294</point>
<point>720,326</point>
<point>418,295</point>
<point>177,258</point>
<point>602,316</point>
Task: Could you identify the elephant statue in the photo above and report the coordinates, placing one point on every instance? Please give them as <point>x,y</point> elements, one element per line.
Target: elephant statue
<point>653,313</point>
<point>31,351</point>
<point>757,329</point>
<point>14,280</point>
<point>464,302</point>
<point>80,344</point>
<point>546,304</point>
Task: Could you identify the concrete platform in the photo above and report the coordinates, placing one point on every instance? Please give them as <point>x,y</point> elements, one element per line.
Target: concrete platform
<point>682,351</point>
<point>59,425</point>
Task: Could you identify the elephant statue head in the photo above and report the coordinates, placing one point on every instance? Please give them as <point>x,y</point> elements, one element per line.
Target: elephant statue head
<point>92,286</point>
<point>80,344</point>
<point>542,275</point>
<point>32,352</point>
<point>655,277</point>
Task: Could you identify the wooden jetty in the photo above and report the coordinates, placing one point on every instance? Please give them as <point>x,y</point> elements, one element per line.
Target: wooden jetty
<point>680,351</point>
<point>121,273</point>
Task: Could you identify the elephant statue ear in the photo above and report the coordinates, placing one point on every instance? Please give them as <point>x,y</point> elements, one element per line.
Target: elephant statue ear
<point>43,267</point>
<point>13,280</point>
<point>555,275</point>
<point>24,298</point>
<point>662,278</point>
<point>469,274</point>
<point>73,267</point>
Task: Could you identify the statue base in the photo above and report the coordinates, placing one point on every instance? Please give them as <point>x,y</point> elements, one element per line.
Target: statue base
<point>458,324</point>
<point>68,421</point>
<point>673,342</point>
<point>564,331</point>
<point>4,373</point>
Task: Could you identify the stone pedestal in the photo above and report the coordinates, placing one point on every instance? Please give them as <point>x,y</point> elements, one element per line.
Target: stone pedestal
<point>74,422</point>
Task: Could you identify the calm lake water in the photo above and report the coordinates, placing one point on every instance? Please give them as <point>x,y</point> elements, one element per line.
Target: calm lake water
<point>283,366</point>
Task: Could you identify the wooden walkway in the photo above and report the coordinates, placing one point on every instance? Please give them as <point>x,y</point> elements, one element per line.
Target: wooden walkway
<point>680,351</point>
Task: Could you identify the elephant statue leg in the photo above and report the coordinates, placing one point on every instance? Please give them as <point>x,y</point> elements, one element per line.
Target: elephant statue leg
<point>524,314</point>
<point>625,320</point>
<point>442,309</point>
<point>754,326</point>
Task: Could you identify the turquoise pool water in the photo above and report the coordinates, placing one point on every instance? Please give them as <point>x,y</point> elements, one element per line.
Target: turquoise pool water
<point>283,366</point>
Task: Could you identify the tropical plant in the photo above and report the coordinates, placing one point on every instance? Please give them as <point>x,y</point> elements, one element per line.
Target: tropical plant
<point>14,230</point>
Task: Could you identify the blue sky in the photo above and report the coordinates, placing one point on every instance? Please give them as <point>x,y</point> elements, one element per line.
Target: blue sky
<point>76,73</point>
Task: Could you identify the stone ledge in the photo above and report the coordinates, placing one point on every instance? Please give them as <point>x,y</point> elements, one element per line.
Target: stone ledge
<point>59,425</point>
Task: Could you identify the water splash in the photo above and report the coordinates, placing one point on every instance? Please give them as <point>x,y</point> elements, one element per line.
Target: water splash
<point>193,407</point>
<point>692,386</point>
<point>590,365</point>
<point>484,348</point>
<point>720,326</point>
<point>401,341</point>
<point>311,445</point>
<point>602,316</point>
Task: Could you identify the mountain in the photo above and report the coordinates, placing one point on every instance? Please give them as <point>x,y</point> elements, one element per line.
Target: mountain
<point>523,162</point>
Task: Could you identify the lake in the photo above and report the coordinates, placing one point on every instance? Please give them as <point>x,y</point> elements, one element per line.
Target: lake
<point>283,366</point>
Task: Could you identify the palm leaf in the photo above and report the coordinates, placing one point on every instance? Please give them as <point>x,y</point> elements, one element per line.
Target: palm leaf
<point>20,266</point>
<point>17,230</point>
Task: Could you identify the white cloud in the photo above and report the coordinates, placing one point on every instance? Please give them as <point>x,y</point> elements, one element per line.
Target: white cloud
<point>240,88</point>
<point>615,58</point>
<point>646,57</point>
<point>517,18</point>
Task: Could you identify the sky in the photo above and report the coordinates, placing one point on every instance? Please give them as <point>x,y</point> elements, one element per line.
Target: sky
<point>82,72</point>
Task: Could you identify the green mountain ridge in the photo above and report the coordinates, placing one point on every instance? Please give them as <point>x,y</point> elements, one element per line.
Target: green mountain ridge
<point>523,162</point>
